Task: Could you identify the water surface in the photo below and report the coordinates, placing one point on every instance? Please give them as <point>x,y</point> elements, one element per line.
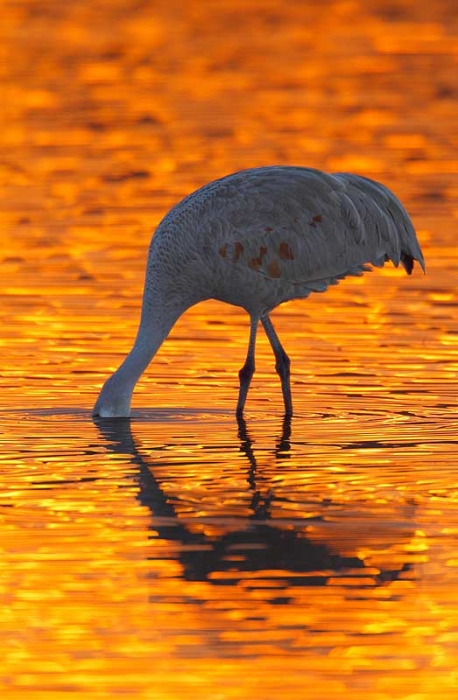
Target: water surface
<point>180,553</point>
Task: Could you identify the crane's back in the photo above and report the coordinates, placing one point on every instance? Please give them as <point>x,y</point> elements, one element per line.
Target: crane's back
<point>264,235</point>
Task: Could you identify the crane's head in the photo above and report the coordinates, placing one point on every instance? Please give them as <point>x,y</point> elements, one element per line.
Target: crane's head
<point>114,400</point>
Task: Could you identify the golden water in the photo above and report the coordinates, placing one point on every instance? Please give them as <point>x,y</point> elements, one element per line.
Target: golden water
<point>180,555</point>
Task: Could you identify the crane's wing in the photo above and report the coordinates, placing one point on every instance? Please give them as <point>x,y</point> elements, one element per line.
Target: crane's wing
<point>309,229</point>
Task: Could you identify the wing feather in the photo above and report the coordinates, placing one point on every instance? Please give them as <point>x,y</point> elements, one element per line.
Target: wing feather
<point>303,227</point>
<point>300,226</point>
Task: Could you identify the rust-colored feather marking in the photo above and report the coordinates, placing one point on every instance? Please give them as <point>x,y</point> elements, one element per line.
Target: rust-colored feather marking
<point>255,263</point>
<point>223,250</point>
<point>238,250</point>
<point>273,269</point>
<point>316,219</point>
<point>285,251</point>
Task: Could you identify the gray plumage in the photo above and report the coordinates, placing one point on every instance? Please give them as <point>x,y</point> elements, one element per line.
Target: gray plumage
<point>255,239</point>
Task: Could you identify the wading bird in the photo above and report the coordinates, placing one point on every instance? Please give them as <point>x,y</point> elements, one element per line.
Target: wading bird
<point>256,239</point>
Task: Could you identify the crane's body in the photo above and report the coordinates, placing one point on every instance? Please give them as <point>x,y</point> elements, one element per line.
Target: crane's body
<point>256,239</point>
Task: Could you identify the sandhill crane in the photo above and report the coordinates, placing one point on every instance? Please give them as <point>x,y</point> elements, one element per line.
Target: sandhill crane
<point>256,239</point>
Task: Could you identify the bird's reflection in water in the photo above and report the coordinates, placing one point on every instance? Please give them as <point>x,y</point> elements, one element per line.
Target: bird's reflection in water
<point>259,544</point>
<point>260,504</point>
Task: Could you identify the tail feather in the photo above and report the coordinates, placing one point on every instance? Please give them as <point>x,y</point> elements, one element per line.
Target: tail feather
<point>386,218</point>
<point>407,261</point>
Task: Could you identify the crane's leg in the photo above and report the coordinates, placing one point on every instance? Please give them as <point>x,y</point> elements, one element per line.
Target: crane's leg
<point>282,363</point>
<point>248,368</point>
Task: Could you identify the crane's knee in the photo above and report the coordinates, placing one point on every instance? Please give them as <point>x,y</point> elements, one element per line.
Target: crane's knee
<point>282,366</point>
<point>246,373</point>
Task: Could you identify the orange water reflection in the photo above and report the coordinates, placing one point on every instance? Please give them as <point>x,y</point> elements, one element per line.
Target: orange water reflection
<point>182,554</point>
<point>179,541</point>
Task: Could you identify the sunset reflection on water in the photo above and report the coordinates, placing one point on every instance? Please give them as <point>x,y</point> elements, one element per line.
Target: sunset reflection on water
<point>183,554</point>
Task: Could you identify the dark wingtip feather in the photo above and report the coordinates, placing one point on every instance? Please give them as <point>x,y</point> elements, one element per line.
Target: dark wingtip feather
<point>407,262</point>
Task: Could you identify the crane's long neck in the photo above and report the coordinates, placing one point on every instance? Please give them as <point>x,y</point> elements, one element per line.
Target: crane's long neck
<point>156,322</point>
<point>147,343</point>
